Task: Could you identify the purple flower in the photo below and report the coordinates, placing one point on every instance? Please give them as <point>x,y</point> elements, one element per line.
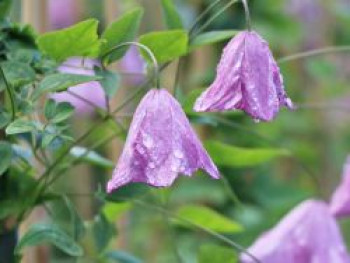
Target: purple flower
<point>62,13</point>
<point>248,79</point>
<point>340,201</point>
<point>90,91</point>
<point>160,145</point>
<point>308,234</point>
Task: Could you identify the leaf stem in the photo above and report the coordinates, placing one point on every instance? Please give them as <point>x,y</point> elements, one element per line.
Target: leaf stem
<point>314,52</point>
<point>9,91</point>
<point>210,20</point>
<point>247,15</point>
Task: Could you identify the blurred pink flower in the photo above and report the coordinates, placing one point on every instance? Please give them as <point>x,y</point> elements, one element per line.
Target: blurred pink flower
<point>248,79</point>
<point>340,201</point>
<point>91,91</point>
<point>161,144</point>
<point>62,13</point>
<point>308,234</point>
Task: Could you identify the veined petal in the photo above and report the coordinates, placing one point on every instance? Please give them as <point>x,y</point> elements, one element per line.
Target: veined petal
<point>309,233</point>
<point>161,144</point>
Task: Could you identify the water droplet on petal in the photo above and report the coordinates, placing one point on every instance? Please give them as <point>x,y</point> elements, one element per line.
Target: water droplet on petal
<point>152,165</point>
<point>147,141</point>
<point>174,168</point>
<point>178,154</point>
<point>140,149</point>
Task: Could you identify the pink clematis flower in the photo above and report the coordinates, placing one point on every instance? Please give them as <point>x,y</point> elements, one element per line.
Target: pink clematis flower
<point>308,234</point>
<point>160,145</point>
<point>340,201</point>
<point>248,79</point>
<point>90,91</point>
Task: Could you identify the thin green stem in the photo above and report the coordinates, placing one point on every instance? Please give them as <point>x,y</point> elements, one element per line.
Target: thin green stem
<point>247,14</point>
<point>202,15</point>
<point>195,225</point>
<point>210,20</point>
<point>146,49</point>
<point>314,52</point>
<point>9,91</point>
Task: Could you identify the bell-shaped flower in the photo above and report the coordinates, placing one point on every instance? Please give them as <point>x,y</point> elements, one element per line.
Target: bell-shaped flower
<point>308,234</point>
<point>87,95</point>
<point>248,79</point>
<point>161,144</point>
<point>340,201</point>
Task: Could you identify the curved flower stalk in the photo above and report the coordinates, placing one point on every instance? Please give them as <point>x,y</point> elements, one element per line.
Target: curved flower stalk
<point>340,201</point>
<point>133,63</point>
<point>308,234</point>
<point>248,79</point>
<point>160,145</point>
<point>87,92</point>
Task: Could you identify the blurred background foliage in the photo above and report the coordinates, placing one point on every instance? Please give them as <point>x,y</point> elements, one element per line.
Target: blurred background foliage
<point>307,146</point>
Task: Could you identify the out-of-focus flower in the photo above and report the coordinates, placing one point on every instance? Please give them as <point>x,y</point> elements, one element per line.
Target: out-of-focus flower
<point>135,66</point>
<point>340,201</point>
<point>62,13</point>
<point>308,234</point>
<point>310,14</point>
<point>248,79</point>
<point>160,145</point>
<point>87,92</point>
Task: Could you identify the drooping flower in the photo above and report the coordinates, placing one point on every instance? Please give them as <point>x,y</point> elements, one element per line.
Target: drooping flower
<point>87,92</point>
<point>248,79</point>
<point>340,201</point>
<point>308,234</point>
<point>160,145</point>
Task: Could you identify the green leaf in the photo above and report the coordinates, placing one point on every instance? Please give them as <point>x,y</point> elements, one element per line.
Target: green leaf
<point>120,31</point>
<point>122,257</point>
<point>91,157</point>
<point>50,109</point>
<point>114,210</point>
<point>5,118</point>
<point>171,16</point>
<point>209,38</point>
<point>17,74</point>
<point>46,233</point>
<point>63,111</point>
<point>228,155</point>
<point>208,218</point>
<point>77,222</point>
<point>78,40</point>
<point>6,156</point>
<point>20,126</point>
<point>210,253</point>
<point>109,81</point>
<point>165,45</point>
<point>5,6</point>
<point>103,232</point>
<point>48,139</point>
<point>61,82</point>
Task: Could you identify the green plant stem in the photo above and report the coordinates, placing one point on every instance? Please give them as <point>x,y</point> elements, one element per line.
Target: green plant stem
<point>146,49</point>
<point>314,52</point>
<point>9,91</point>
<point>202,15</point>
<point>247,15</point>
<point>216,15</point>
<point>203,229</point>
